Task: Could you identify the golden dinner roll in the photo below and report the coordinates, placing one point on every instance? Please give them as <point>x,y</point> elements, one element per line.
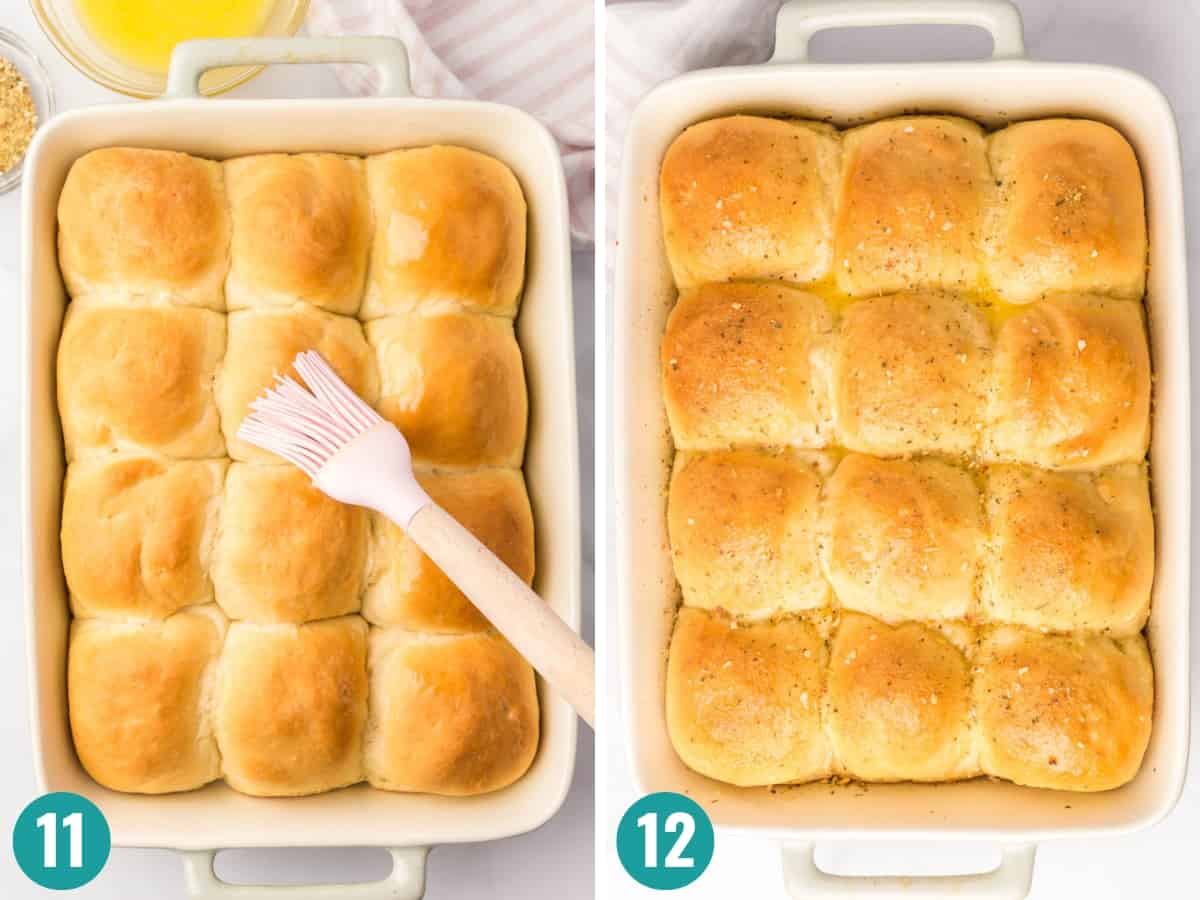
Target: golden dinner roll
<point>1070,550</point>
<point>145,224</point>
<point>449,714</point>
<point>1071,385</point>
<point>286,552</point>
<point>899,701</point>
<point>140,696</point>
<point>744,701</point>
<point>749,197</point>
<point>454,384</point>
<point>908,375</point>
<point>912,193</point>
<point>1068,213</point>
<point>291,706</point>
<point>449,229</point>
<point>407,589</point>
<point>744,532</point>
<point>1069,712</point>
<point>134,378</point>
<point>301,231</point>
<point>137,534</point>
<point>747,364</point>
<point>904,537</point>
<point>264,342</point>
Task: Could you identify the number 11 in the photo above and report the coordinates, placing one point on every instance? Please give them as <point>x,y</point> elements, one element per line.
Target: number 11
<point>49,825</point>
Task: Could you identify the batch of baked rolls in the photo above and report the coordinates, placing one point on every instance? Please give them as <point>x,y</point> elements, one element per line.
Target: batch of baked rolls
<point>908,382</point>
<point>230,621</point>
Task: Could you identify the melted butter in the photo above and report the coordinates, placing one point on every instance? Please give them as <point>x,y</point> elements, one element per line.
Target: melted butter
<point>827,290</point>
<point>143,33</point>
<point>996,310</point>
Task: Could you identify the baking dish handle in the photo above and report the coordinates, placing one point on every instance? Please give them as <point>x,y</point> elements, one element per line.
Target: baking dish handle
<point>406,882</point>
<point>806,881</point>
<point>191,59</point>
<point>799,20</point>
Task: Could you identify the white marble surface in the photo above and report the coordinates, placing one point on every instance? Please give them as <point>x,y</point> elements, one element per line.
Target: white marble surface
<point>1158,39</point>
<point>552,862</point>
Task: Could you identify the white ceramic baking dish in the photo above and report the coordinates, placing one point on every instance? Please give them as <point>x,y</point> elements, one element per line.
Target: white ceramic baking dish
<point>994,91</point>
<point>216,817</point>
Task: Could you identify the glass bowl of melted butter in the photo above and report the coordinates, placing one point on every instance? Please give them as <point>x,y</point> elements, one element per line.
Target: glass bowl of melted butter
<point>126,45</point>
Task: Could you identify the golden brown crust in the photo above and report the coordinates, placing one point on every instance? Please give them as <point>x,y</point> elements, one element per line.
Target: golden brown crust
<point>145,383</point>
<point>291,706</point>
<point>744,532</point>
<point>1068,214</point>
<point>286,552</point>
<point>908,375</point>
<point>904,537</point>
<point>151,224</point>
<point>1069,712</point>
<point>747,364</point>
<point>749,197</point>
<point>264,342</point>
<point>138,695</point>
<point>140,379</point>
<point>744,702</point>
<point>912,193</point>
<point>449,228</point>
<point>1071,385</point>
<point>137,534</point>
<point>301,231</point>
<point>899,703</point>
<point>454,384</point>
<point>408,590</point>
<point>1005,487</point>
<point>452,715</point>
<point>1070,550</point>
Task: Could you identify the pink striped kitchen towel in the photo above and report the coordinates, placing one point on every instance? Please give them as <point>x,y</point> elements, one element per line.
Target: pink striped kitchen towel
<point>534,54</point>
<point>651,41</point>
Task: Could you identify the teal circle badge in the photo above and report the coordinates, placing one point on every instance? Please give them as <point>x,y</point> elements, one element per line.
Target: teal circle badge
<point>665,841</point>
<point>61,841</point>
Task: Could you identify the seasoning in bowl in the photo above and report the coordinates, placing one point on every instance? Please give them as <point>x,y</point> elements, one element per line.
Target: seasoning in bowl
<point>18,115</point>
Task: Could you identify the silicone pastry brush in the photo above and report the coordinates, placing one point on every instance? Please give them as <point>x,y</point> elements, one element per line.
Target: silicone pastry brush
<point>355,456</point>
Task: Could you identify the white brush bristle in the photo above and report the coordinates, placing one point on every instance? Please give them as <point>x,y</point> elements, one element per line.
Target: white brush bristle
<point>306,427</point>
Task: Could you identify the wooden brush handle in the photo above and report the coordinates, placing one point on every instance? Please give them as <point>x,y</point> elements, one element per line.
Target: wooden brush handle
<point>545,640</point>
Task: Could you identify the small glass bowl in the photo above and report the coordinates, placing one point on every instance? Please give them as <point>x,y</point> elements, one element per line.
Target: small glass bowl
<point>61,22</point>
<point>20,55</point>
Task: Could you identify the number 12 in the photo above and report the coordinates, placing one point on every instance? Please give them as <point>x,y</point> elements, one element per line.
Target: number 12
<point>676,822</point>
<point>49,825</point>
